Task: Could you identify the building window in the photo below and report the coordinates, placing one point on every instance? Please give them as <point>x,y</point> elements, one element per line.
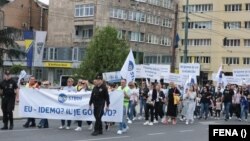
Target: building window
<point>152,39</point>
<point>141,0</point>
<point>246,61</point>
<point>118,13</point>
<point>247,6</point>
<point>247,42</point>
<point>45,54</point>
<point>165,41</point>
<point>152,19</point>
<point>198,25</point>
<point>205,59</point>
<point>81,54</point>
<point>231,60</point>
<point>232,25</point>
<point>199,8</point>
<point>233,7</point>
<point>51,53</point>
<point>166,59</point>
<point>38,73</point>
<point>84,10</point>
<point>136,16</point>
<point>154,2</point>
<point>231,42</point>
<point>121,34</point>
<point>134,36</point>
<point>167,23</point>
<point>197,42</point>
<point>167,4</point>
<point>75,54</point>
<point>247,24</point>
<point>150,60</point>
<point>85,32</point>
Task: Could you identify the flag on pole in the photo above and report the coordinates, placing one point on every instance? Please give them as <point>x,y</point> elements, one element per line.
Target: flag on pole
<point>21,76</point>
<point>128,70</point>
<point>190,82</point>
<point>219,75</point>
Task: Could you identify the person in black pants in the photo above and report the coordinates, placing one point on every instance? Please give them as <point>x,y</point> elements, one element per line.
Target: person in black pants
<point>160,99</point>
<point>9,87</point>
<point>150,102</point>
<point>99,97</point>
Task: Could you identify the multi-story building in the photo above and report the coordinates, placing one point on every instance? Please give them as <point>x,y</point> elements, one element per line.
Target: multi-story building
<point>218,33</point>
<point>22,15</point>
<point>146,24</point>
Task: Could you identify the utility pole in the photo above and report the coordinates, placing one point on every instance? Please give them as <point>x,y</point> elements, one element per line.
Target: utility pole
<point>138,32</point>
<point>174,42</point>
<point>186,33</point>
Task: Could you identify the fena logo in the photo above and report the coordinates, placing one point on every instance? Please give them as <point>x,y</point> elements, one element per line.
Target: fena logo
<point>62,98</point>
<point>130,66</point>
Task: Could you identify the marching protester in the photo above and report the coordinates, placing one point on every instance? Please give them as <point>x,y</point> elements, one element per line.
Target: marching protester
<point>190,97</point>
<point>82,86</point>
<point>31,84</point>
<point>44,122</point>
<point>159,101</point>
<point>236,101</point>
<point>143,92</point>
<point>227,99</point>
<point>69,88</point>
<point>133,100</point>
<point>99,97</point>
<point>149,109</point>
<point>123,127</point>
<point>205,101</point>
<point>9,90</point>
<point>173,101</point>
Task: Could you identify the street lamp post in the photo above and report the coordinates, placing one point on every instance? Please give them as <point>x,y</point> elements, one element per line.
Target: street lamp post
<point>186,33</point>
<point>138,33</point>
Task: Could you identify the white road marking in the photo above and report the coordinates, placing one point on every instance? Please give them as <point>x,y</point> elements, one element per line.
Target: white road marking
<point>152,134</point>
<point>182,131</point>
<point>120,137</point>
<point>21,130</point>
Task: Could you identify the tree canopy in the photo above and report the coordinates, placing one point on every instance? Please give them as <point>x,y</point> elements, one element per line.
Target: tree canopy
<point>105,53</point>
<point>8,45</point>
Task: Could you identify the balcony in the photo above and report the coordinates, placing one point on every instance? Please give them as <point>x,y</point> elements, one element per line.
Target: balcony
<point>83,33</point>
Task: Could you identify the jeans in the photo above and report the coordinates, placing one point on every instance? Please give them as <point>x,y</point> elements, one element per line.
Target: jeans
<point>142,105</point>
<point>131,110</point>
<point>227,109</point>
<point>244,112</point>
<point>123,125</point>
<point>204,109</point>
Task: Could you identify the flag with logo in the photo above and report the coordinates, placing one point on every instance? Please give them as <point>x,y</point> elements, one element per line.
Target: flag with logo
<point>39,47</point>
<point>190,81</point>
<point>221,78</point>
<point>128,70</point>
<point>29,43</point>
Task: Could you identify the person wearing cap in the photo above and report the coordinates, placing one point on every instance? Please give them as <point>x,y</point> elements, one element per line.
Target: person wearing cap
<point>9,87</point>
<point>99,97</point>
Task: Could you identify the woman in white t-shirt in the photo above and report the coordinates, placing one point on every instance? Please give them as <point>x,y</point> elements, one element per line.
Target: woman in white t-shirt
<point>133,100</point>
<point>190,98</point>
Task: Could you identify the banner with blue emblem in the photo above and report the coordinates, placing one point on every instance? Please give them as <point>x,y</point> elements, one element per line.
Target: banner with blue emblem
<point>68,105</point>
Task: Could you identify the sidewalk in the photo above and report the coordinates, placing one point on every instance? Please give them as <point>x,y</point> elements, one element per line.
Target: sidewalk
<point>15,112</point>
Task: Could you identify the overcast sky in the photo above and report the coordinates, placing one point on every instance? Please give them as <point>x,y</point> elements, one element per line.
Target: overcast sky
<point>45,1</point>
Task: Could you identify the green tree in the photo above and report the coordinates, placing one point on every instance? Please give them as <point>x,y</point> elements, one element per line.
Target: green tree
<point>104,53</point>
<point>16,69</point>
<point>8,45</point>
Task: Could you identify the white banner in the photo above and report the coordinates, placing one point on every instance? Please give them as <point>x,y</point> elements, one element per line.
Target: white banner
<point>40,38</point>
<point>60,104</point>
<point>189,68</point>
<point>164,69</point>
<point>112,76</point>
<point>233,80</point>
<point>241,73</point>
<point>140,72</point>
<point>151,72</point>
<point>176,78</point>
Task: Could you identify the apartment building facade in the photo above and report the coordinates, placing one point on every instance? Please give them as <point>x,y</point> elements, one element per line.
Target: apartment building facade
<point>218,34</point>
<point>146,24</point>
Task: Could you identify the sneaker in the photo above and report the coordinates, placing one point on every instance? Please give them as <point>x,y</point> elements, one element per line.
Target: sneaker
<point>169,120</point>
<point>67,128</point>
<point>230,117</point>
<point>163,120</point>
<point>140,118</point>
<point>90,127</point>
<point>134,118</point>
<point>129,122</point>
<point>119,132</point>
<point>61,127</point>
<point>78,129</point>
<point>192,121</point>
<point>125,129</point>
<point>239,119</point>
<point>151,123</point>
<point>246,120</point>
<point>146,123</point>
<point>155,121</point>
<point>174,121</point>
<point>187,122</point>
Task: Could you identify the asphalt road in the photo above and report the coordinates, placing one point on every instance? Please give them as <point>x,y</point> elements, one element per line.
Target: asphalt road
<point>137,132</point>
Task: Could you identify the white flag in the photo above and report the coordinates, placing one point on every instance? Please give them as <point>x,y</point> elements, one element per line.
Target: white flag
<point>219,75</point>
<point>39,47</point>
<point>128,70</point>
<point>21,76</point>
